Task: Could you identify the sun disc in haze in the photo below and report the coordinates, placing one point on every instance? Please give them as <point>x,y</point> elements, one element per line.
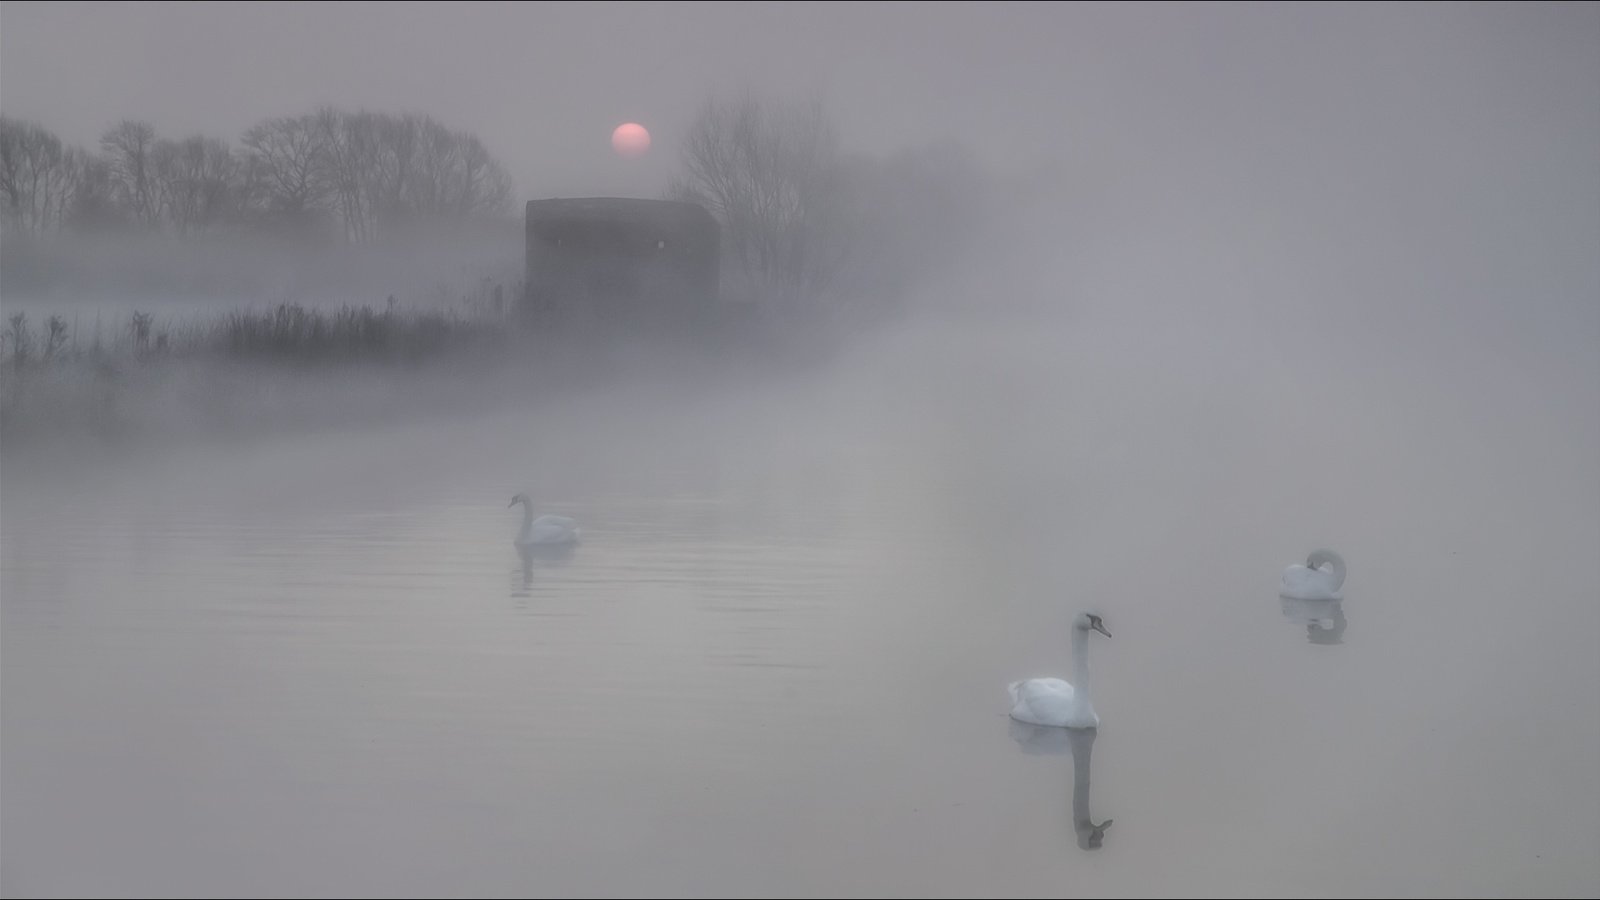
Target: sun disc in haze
<point>630,139</point>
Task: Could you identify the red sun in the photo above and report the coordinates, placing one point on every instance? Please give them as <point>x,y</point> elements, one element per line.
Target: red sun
<point>630,139</point>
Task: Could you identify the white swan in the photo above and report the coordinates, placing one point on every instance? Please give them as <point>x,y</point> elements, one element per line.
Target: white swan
<point>544,531</point>
<point>1319,579</point>
<point>1051,701</point>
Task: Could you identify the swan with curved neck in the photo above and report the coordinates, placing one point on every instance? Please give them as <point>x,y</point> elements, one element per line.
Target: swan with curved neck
<point>1053,702</point>
<point>545,531</point>
<point>1319,579</point>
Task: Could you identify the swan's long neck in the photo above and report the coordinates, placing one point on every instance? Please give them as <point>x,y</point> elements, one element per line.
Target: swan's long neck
<point>1080,669</point>
<point>527,519</point>
<point>1334,560</point>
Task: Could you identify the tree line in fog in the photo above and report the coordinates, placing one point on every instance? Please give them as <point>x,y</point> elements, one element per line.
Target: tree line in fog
<point>329,172</point>
<point>807,223</point>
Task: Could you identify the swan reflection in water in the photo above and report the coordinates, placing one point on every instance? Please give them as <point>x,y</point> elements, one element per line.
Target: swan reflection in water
<point>543,554</point>
<point>1040,740</point>
<point>1324,619</point>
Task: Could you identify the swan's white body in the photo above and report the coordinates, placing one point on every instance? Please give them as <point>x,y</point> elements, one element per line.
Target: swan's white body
<point>545,530</point>
<point>1053,702</point>
<point>1319,579</point>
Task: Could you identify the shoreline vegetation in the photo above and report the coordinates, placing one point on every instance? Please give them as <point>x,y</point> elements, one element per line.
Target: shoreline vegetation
<point>141,374</point>
<point>286,367</point>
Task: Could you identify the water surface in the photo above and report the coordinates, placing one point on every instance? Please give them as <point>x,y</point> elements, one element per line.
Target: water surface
<point>776,665</point>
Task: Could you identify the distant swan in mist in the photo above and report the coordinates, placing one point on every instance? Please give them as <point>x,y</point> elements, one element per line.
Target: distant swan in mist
<point>545,531</point>
<point>1053,702</point>
<point>1319,579</point>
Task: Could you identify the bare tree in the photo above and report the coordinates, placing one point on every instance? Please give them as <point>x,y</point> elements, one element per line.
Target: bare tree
<point>485,185</point>
<point>454,176</point>
<point>396,167</point>
<point>438,151</point>
<point>91,202</point>
<point>290,156</point>
<point>807,227</point>
<point>197,181</point>
<point>386,170</point>
<point>770,173</point>
<point>128,147</point>
<point>344,143</point>
<point>35,177</point>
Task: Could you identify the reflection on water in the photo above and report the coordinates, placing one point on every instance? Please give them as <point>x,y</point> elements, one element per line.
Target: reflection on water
<point>1041,740</point>
<point>537,555</point>
<point>296,668</point>
<point>1324,619</point>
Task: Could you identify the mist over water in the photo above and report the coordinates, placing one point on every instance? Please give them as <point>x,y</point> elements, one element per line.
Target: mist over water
<point>1346,307</point>
<point>776,663</point>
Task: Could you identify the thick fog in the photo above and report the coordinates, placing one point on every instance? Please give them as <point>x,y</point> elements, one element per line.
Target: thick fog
<point>1127,309</point>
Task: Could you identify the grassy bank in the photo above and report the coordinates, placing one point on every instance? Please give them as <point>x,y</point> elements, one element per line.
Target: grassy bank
<point>228,370</point>
<point>289,367</point>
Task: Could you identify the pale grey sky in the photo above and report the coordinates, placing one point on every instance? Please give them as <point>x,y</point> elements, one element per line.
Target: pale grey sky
<point>1031,85</point>
<point>544,83</point>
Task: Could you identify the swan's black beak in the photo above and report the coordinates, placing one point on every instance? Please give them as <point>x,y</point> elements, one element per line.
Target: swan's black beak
<point>1100,628</point>
<point>512,503</point>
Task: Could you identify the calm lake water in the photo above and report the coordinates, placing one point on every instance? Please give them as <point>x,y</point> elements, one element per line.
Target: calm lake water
<point>776,665</point>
